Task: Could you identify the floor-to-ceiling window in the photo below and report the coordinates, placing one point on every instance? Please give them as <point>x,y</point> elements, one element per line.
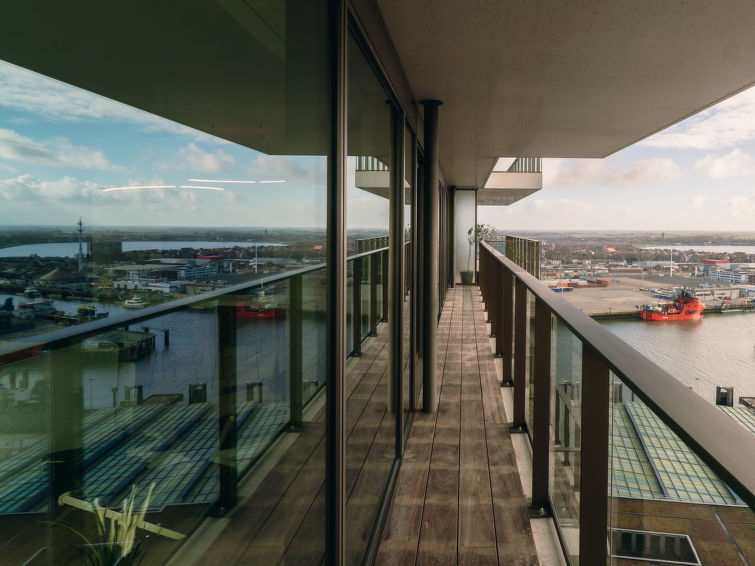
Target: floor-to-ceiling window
<point>163,282</point>
<point>370,414</point>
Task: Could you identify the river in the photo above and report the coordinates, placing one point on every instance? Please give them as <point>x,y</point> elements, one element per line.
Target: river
<point>702,354</point>
<point>71,249</point>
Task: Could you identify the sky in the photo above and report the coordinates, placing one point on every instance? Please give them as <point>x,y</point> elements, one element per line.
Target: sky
<point>697,175</point>
<point>62,148</point>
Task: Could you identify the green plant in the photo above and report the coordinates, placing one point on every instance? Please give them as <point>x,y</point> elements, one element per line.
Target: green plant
<point>476,234</point>
<point>116,541</point>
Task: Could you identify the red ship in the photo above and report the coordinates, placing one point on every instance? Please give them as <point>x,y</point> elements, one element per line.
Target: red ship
<point>259,305</point>
<point>685,307</point>
<point>268,311</point>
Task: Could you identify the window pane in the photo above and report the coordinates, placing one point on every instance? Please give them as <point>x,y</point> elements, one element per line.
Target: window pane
<point>171,227</point>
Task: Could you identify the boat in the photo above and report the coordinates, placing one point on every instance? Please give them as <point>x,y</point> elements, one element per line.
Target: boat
<point>685,307</point>
<point>269,310</point>
<point>86,313</point>
<point>36,309</point>
<point>31,293</point>
<point>260,305</point>
<point>134,303</point>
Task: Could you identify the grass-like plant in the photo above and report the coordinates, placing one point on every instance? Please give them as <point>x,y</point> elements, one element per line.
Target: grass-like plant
<point>116,542</point>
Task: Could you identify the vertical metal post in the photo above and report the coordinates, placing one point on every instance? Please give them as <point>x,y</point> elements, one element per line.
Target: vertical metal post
<point>519,422</point>
<point>429,256</point>
<point>65,450</point>
<point>396,278</point>
<point>496,325</point>
<point>541,412</point>
<point>507,324</point>
<point>295,352</point>
<point>384,283</point>
<point>335,405</point>
<point>227,407</point>
<point>356,308</point>
<point>373,294</point>
<point>593,502</point>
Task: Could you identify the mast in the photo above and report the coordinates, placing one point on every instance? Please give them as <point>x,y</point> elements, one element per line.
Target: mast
<point>80,230</point>
<point>671,263</point>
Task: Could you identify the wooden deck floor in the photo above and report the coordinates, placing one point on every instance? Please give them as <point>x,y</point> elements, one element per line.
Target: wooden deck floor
<point>459,498</point>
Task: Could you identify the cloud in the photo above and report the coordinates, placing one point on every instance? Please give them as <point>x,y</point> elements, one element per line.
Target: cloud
<point>195,159</point>
<point>734,164</point>
<point>584,172</point>
<point>57,152</point>
<point>303,169</point>
<point>572,172</point>
<point>25,91</point>
<point>699,200</point>
<point>27,188</point>
<point>726,124</point>
<point>644,171</point>
<point>741,206</point>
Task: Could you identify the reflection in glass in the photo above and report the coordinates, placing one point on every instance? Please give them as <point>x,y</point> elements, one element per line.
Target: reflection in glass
<point>370,425</point>
<point>117,214</point>
<point>566,398</point>
<point>529,408</point>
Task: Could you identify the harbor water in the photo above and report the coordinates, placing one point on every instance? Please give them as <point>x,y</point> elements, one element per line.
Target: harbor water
<point>702,354</point>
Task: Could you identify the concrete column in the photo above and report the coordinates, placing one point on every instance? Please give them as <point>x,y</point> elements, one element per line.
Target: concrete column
<point>429,205</point>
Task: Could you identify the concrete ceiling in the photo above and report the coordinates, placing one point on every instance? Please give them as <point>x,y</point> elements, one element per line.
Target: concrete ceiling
<point>541,78</point>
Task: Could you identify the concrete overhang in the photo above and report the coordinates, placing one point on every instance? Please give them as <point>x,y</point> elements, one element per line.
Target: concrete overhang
<point>505,187</point>
<point>536,78</point>
<point>565,79</point>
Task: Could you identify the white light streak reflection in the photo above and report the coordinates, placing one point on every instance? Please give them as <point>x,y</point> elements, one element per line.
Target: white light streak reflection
<point>276,181</point>
<point>219,181</point>
<point>141,187</point>
<point>137,188</point>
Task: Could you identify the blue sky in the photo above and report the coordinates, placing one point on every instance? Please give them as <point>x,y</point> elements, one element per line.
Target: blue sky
<point>698,175</point>
<point>60,147</point>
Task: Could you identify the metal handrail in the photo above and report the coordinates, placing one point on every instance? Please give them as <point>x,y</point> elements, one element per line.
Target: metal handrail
<point>16,351</point>
<point>693,419</point>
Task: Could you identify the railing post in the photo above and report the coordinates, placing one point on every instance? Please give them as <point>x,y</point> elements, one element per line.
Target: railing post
<point>384,283</point>
<point>373,294</point>
<point>295,352</point>
<point>519,422</point>
<point>541,412</point>
<point>66,445</point>
<point>593,501</point>
<point>507,324</point>
<point>227,407</point>
<point>496,325</point>
<point>356,308</point>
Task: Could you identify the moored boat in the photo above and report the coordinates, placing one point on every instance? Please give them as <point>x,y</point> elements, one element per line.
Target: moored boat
<point>134,303</point>
<point>685,307</point>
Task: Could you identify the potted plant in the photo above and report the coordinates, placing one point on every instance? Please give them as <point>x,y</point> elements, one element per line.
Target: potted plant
<point>476,234</point>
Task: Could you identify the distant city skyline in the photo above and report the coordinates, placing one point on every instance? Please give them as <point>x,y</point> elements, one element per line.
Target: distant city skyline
<point>61,148</point>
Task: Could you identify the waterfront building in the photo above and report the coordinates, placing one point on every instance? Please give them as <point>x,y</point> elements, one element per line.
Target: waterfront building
<point>350,412</point>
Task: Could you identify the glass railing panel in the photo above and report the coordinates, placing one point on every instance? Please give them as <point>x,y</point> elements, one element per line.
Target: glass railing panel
<point>665,503</point>
<point>564,480</point>
<point>349,306</point>
<point>366,295</point>
<point>314,299</point>
<point>529,409</point>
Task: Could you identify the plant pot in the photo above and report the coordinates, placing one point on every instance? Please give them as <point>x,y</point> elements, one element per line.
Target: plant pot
<point>467,277</point>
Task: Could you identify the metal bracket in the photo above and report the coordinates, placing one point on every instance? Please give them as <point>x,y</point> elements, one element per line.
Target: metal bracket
<point>517,429</point>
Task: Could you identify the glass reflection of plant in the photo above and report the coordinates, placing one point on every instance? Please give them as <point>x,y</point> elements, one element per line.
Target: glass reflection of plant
<point>116,541</point>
